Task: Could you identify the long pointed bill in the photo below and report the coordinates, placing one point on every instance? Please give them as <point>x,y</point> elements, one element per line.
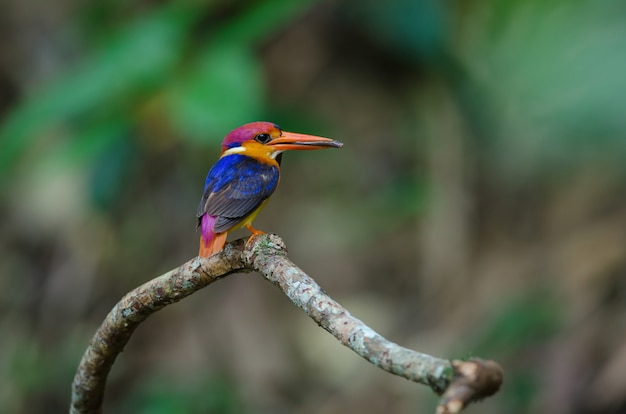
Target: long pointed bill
<point>293,141</point>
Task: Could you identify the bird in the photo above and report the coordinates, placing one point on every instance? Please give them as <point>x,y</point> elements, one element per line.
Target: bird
<point>244,177</point>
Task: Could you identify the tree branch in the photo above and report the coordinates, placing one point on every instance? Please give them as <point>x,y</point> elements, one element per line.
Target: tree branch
<point>460,382</point>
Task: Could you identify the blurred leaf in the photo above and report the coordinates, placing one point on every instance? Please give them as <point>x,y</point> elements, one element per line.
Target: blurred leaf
<point>91,142</point>
<point>520,323</point>
<point>139,57</point>
<point>552,73</point>
<point>405,196</point>
<point>390,207</point>
<point>28,369</point>
<point>412,29</point>
<point>521,389</point>
<point>33,368</point>
<point>224,88</point>
<point>216,396</point>
<point>111,170</point>
<point>224,85</point>
<point>259,21</point>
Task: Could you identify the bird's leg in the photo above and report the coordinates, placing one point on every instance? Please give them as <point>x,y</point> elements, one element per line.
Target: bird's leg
<point>254,232</point>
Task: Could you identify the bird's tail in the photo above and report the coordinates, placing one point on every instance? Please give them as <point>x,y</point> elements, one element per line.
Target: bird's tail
<point>210,243</point>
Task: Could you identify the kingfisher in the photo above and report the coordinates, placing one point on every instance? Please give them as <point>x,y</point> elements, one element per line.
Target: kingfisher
<point>246,174</point>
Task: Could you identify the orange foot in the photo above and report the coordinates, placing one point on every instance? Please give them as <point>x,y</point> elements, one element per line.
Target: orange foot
<point>254,232</point>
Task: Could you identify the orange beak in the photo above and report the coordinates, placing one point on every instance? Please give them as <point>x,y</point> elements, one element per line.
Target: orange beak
<point>293,141</point>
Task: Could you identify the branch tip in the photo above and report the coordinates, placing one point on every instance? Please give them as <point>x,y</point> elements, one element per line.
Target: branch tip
<point>472,381</point>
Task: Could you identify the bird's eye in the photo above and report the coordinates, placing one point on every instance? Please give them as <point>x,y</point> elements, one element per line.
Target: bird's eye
<point>263,138</point>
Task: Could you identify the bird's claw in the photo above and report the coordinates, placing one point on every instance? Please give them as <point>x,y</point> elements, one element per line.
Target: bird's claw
<point>254,232</point>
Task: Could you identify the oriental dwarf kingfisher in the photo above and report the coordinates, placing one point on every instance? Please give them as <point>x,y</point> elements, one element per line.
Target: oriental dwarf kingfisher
<point>240,183</point>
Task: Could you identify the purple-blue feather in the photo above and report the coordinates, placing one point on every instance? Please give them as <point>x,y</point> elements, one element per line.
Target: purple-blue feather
<point>236,186</point>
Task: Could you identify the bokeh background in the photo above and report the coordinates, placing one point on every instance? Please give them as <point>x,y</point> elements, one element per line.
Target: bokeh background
<point>478,207</point>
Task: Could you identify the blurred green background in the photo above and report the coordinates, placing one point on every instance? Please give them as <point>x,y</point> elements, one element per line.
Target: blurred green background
<point>477,208</point>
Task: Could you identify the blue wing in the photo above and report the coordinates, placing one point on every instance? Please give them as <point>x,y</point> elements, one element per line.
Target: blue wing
<point>234,188</point>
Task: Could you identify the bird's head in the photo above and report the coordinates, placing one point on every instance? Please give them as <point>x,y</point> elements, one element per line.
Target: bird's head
<point>265,139</point>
